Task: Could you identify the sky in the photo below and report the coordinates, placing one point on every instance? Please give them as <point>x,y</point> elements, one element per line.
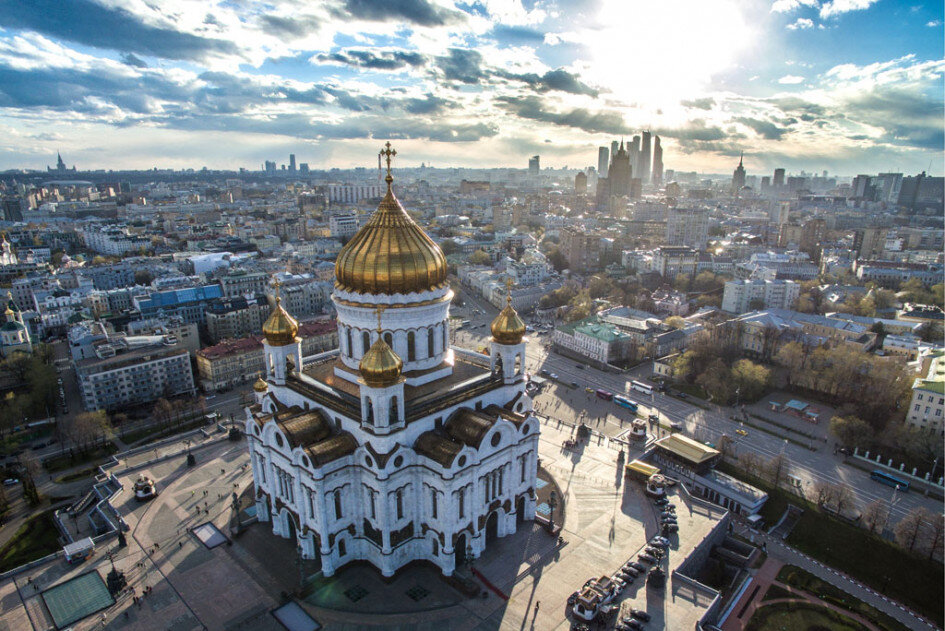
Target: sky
<point>848,86</point>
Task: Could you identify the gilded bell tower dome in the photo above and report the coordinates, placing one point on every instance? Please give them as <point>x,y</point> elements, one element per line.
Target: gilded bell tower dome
<point>380,367</point>
<point>508,328</point>
<point>280,329</point>
<point>390,254</point>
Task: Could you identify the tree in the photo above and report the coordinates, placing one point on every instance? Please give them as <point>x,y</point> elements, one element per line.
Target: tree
<point>143,277</point>
<point>675,322</point>
<point>756,304</point>
<point>851,431</point>
<point>726,446</point>
<point>90,427</point>
<point>750,463</point>
<point>908,531</point>
<point>931,332</point>
<point>935,536</point>
<point>938,295</point>
<point>449,246</point>
<point>717,382</point>
<point>750,379</point>
<point>823,492</point>
<point>480,257</point>
<point>843,497</point>
<point>778,469</point>
<point>875,515</point>
<point>557,259</point>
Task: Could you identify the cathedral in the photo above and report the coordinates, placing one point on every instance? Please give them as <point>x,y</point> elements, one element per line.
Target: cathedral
<point>14,335</point>
<point>396,447</point>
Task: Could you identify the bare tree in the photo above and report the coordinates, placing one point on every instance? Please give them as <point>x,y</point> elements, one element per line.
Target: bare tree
<point>778,468</point>
<point>843,497</point>
<point>29,469</point>
<point>936,536</point>
<point>823,492</point>
<point>749,462</point>
<point>875,515</point>
<point>908,531</point>
<point>726,446</point>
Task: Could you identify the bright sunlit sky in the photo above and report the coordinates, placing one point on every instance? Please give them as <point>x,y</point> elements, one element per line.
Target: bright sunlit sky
<point>851,86</point>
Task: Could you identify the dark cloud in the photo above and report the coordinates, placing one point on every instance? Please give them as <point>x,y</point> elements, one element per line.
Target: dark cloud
<point>288,27</point>
<point>532,108</point>
<point>130,59</point>
<point>517,34</point>
<point>463,65</point>
<point>706,103</point>
<point>765,129</point>
<point>564,81</point>
<point>420,12</point>
<point>797,105</point>
<point>374,60</point>
<point>427,105</point>
<point>91,24</point>
<point>695,130</point>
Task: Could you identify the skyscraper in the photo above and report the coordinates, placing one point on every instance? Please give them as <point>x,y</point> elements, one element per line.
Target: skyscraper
<point>657,162</point>
<point>738,177</point>
<point>645,158</point>
<point>603,160</point>
<point>613,148</point>
<point>620,173</point>
<point>534,165</point>
<point>580,183</point>
<point>291,163</point>
<point>778,178</point>
<point>635,155</point>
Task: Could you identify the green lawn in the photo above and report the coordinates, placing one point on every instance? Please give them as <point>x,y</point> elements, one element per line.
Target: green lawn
<point>800,617</point>
<point>776,591</point>
<point>35,539</point>
<point>912,580</point>
<point>95,456</point>
<point>78,475</point>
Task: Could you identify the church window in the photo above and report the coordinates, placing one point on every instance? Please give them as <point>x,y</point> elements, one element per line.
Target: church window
<point>337,504</point>
<point>496,439</point>
<point>398,461</point>
<point>436,547</point>
<point>311,502</point>
<point>399,499</point>
<point>365,342</point>
<point>411,346</point>
<point>369,417</point>
<point>444,338</point>
<point>389,339</point>
<point>279,441</point>
<point>348,340</point>
<point>433,503</point>
<point>393,411</point>
<point>523,467</point>
<point>341,548</point>
<point>373,502</point>
<point>430,351</point>
<point>462,503</point>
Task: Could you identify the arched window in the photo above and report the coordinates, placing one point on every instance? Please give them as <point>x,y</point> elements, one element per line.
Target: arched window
<point>393,415</point>
<point>430,351</point>
<point>411,346</point>
<point>337,495</point>
<point>348,344</point>
<point>369,417</point>
<point>389,339</point>
<point>365,341</point>
<point>400,503</point>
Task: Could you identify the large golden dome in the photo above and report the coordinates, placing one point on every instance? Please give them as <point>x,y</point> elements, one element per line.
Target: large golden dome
<point>260,385</point>
<point>280,329</point>
<point>381,366</point>
<point>390,254</point>
<point>508,327</point>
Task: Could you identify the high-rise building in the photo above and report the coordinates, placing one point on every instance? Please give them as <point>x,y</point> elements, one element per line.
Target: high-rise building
<point>620,173</point>
<point>292,163</point>
<point>581,249</point>
<point>635,155</point>
<point>534,165</point>
<point>657,162</point>
<point>687,226</point>
<point>270,167</point>
<point>603,160</point>
<point>580,183</point>
<point>738,177</point>
<point>778,178</point>
<point>645,158</point>
<point>613,148</point>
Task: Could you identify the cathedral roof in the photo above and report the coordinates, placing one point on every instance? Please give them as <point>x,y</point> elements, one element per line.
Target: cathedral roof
<point>306,428</point>
<point>337,446</point>
<point>437,447</point>
<point>390,254</point>
<point>469,426</point>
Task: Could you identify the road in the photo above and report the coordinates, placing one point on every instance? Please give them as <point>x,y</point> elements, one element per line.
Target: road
<point>810,465</point>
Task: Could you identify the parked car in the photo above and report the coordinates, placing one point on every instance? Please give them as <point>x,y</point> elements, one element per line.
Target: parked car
<point>647,558</point>
<point>653,550</point>
<point>631,623</point>
<point>639,614</point>
<point>10,482</point>
<point>661,542</point>
<point>661,501</point>
<point>632,571</point>
<point>670,528</point>
<point>639,567</point>
<point>626,576</point>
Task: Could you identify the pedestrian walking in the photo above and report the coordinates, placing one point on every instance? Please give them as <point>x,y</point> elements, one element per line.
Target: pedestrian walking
<point>537,605</point>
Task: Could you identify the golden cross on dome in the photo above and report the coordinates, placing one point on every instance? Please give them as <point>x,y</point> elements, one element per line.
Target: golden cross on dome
<point>508,290</point>
<point>380,310</point>
<point>277,284</point>
<point>388,153</point>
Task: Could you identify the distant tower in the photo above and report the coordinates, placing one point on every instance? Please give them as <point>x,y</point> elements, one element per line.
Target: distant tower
<point>292,163</point>
<point>620,173</point>
<point>613,149</point>
<point>657,162</point>
<point>60,164</point>
<point>645,158</point>
<point>778,178</point>
<point>603,160</point>
<point>580,183</point>
<point>534,165</point>
<point>635,155</point>
<point>14,336</point>
<point>738,177</point>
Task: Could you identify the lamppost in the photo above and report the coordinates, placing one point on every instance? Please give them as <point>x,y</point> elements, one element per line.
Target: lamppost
<point>892,503</point>
<point>552,503</point>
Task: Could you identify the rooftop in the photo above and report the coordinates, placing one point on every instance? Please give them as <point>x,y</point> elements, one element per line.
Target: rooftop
<point>687,448</point>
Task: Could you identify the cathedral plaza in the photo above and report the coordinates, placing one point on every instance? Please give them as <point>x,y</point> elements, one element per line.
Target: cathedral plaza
<point>237,585</point>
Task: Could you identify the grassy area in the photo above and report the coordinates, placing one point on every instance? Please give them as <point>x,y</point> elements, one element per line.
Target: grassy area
<point>692,389</point>
<point>912,580</point>
<point>78,475</point>
<point>157,432</point>
<point>35,539</point>
<point>800,617</point>
<point>95,456</point>
<point>776,591</point>
<point>804,580</point>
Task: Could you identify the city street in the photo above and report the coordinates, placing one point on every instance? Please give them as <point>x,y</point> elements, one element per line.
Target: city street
<point>810,465</point>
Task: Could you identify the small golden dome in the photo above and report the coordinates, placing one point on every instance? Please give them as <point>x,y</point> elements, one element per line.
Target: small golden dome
<point>508,327</point>
<point>390,254</point>
<point>381,366</point>
<point>280,329</point>
<point>260,385</point>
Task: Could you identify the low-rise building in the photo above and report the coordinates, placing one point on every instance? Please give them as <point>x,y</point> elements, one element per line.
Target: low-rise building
<point>927,408</point>
<point>671,261</point>
<point>594,340</point>
<point>741,296</point>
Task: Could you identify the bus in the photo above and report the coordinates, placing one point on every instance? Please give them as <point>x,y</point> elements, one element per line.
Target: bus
<point>639,386</point>
<point>889,480</point>
<point>606,396</point>
<point>624,402</point>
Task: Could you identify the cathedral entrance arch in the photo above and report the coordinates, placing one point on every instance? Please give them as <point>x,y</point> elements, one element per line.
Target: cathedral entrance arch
<point>460,550</point>
<point>288,524</point>
<point>520,510</point>
<point>492,527</point>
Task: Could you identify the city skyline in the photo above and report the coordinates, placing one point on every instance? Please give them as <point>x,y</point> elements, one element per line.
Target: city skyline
<point>790,83</point>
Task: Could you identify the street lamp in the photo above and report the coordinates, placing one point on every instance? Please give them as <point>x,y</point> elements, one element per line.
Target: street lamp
<point>552,503</point>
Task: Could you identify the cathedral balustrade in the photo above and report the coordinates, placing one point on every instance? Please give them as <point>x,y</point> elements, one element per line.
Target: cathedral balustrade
<point>421,407</point>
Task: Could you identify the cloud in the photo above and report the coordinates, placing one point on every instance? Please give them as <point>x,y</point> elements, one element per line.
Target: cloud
<point>933,23</point>
<point>786,6</point>
<point>91,24</point>
<point>374,59</point>
<point>131,59</point>
<point>532,108</point>
<point>765,129</point>
<point>463,65</point>
<point>420,12</point>
<point>791,79</point>
<point>695,130</point>
<point>706,103</point>
<point>518,34</point>
<point>560,80</point>
<point>800,24</point>
<point>279,26</point>
<point>838,7</point>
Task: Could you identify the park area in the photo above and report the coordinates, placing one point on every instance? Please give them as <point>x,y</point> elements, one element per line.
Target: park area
<point>799,616</point>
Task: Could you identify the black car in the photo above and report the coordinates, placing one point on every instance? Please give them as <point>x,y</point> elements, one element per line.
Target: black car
<point>670,528</point>
<point>661,501</point>
<point>639,567</point>
<point>653,550</point>
<point>630,623</point>
<point>573,598</point>
<point>648,558</point>
<point>640,615</point>
<point>626,576</point>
